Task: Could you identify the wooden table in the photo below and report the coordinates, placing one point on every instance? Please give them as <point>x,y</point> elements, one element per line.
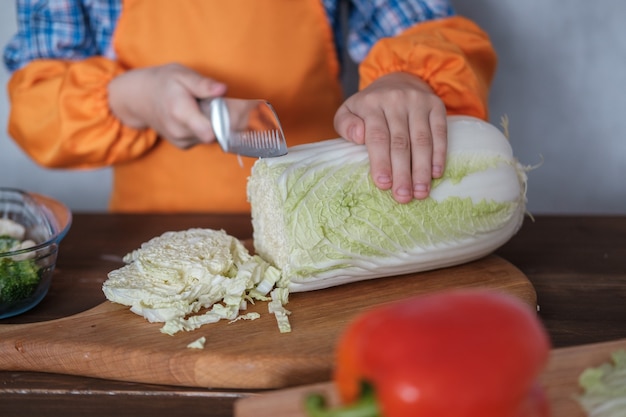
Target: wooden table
<point>576,263</point>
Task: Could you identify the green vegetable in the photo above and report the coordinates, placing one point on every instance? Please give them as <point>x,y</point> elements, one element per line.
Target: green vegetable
<point>318,216</point>
<point>605,388</point>
<point>18,277</point>
<point>8,243</point>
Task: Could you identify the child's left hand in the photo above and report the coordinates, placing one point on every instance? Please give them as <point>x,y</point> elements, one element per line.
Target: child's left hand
<point>403,124</point>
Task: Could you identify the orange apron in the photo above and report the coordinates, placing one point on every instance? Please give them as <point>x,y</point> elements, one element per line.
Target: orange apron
<point>280,50</point>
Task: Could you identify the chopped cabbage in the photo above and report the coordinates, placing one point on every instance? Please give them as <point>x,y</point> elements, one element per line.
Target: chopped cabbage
<point>605,388</point>
<point>186,279</point>
<point>198,343</point>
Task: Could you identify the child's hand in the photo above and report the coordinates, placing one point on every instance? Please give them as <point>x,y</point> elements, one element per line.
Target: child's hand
<point>403,124</point>
<point>164,99</point>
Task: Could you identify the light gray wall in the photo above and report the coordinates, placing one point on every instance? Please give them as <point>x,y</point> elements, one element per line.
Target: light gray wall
<point>560,80</point>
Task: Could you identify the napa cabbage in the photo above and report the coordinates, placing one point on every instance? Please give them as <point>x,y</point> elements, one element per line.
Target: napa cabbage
<point>319,218</point>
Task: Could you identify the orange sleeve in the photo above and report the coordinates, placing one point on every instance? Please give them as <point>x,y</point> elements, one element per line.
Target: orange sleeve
<point>453,55</point>
<point>59,115</point>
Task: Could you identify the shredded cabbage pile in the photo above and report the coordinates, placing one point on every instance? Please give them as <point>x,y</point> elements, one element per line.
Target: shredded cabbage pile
<point>189,278</point>
<point>605,388</point>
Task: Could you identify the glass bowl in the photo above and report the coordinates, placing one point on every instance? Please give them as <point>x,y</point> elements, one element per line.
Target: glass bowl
<point>26,273</point>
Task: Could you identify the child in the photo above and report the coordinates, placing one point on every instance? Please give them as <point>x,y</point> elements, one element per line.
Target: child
<point>114,83</point>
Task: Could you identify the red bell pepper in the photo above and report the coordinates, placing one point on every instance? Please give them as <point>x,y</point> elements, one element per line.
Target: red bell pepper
<point>464,353</point>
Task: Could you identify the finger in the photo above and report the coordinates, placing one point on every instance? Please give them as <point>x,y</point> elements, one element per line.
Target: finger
<point>400,156</point>
<point>201,127</point>
<point>187,125</point>
<point>349,126</point>
<point>421,155</point>
<point>194,123</point>
<point>200,86</point>
<point>439,130</point>
<point>377,141</point>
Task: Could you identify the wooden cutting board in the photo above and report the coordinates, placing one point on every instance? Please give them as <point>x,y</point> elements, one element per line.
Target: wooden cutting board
<point>560,379</point>
<point>111,342</point>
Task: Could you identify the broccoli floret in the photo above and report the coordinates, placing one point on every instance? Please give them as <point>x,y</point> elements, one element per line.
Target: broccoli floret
<point>18,279</point>
<point>7,243</point>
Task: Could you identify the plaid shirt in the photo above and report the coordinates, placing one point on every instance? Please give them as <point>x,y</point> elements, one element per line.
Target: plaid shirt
<point>77,29</point>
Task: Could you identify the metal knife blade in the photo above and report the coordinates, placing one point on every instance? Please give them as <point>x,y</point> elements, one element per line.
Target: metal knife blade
<point>248,127</point>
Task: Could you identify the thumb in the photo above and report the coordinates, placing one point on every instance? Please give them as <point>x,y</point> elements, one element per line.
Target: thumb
<point>203,87</point>
<point>349,126</point>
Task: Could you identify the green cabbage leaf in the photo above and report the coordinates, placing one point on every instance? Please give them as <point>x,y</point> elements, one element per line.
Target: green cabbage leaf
<point>605,387</point>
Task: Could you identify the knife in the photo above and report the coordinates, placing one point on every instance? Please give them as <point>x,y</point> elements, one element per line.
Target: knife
<point>247,127</point>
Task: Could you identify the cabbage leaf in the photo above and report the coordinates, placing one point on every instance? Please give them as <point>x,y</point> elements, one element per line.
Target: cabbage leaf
<point>605,387</point>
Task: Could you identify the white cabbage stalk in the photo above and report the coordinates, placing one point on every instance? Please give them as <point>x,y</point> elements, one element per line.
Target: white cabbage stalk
<point>319,218</point>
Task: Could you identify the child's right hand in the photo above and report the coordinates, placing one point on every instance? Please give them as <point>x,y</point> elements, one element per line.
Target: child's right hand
<point>164,98</point>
